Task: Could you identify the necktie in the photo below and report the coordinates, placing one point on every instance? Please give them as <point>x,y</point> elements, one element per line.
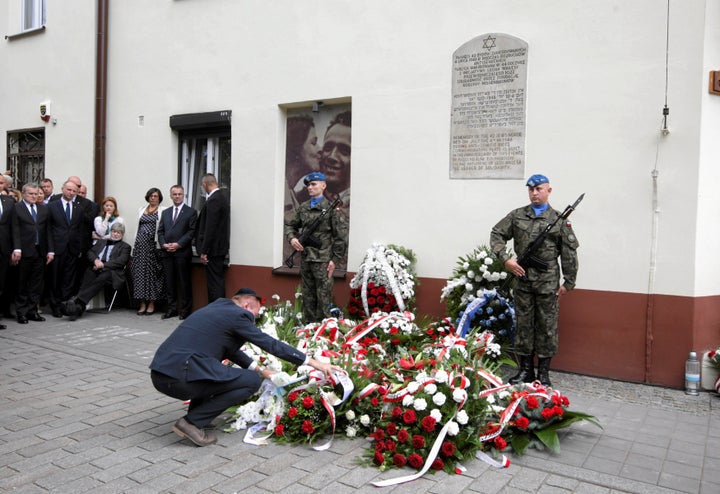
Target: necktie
<point>106,254</point>
<point>32,211</point>
<point>67,212</point>
<point>175,215</point>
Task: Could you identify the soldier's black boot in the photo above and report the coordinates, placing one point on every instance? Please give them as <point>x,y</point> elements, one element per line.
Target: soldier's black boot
<point>527,371</point>
<point>544,371</point>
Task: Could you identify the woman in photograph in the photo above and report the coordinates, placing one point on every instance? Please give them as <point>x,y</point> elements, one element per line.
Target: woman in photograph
<point>146,267</point>
<point>302,156</point>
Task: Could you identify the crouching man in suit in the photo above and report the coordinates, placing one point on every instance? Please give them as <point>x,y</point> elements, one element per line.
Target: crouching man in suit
<point>108,259</point>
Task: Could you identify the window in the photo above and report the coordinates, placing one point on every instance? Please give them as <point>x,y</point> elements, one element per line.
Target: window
<point>205,144</point>
<point>33,14</point>
<point>26,156</point>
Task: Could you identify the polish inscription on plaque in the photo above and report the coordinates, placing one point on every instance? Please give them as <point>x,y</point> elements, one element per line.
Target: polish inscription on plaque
<point>488,108</point>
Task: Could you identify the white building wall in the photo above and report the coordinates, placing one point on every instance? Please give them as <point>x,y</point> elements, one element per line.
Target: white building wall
<point>707,264</point>
<point>596,88</point>
<point>57,65</point>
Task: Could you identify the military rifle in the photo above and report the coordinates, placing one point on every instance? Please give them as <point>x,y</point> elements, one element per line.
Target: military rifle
<point>528,259</point>
<point>306,238</point>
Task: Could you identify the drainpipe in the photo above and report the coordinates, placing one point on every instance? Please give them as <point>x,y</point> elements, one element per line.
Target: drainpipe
<point>100,99</point>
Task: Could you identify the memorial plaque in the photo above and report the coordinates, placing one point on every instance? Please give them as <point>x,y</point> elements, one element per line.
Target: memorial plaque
<point>487,137</point>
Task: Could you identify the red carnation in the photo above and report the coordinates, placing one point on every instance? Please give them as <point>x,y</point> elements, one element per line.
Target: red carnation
<point>380,299</point>
<point>307,427</point>
<point>565,401</point>
<point>558,411</point>
<point>532,402</point>
<point>403,435</point>
<point>409,417</point>
<point>308,402</point>
<point>399,460</point>
<point>381,289</point>
<point>387,308</point>
<point>292,413</point>
<point>279,430</point>
<point>428,423</point>
<point>391,429</point>
<point>293,396</point>
<point>418,441</point>
<point>499,443</point>
<point>353,310</point>
<point>547,413</point>
<point>447,448</point>
<point>557,400</point>
<point>379,434</point>
<point>522,422</point>
<point>375,402</point>
<point>437,464</point>
<point>371,300</point>
<point>397,412</point>
<point>378,459</point>
<point>390,445</point>
<point>394,330</point>
<point>415,461</point>
<point>379,446</point>
<point>371,285</point>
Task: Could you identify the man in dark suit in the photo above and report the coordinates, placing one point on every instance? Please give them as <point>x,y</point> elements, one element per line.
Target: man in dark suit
<point>7,210</point>
<point>189,363</point>
<point>33,248</point>
<point>108,259</point>
<point>175,234</point>
<point>213,236</point>
<point>69,229</point>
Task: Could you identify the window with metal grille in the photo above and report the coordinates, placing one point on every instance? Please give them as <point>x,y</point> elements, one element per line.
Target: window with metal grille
<point>26,156</point>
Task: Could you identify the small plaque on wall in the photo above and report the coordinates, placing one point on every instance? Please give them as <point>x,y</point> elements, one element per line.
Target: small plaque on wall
<point>489,81</point>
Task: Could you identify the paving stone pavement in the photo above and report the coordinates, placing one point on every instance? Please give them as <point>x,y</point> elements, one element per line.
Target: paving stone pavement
<point>79,414</point>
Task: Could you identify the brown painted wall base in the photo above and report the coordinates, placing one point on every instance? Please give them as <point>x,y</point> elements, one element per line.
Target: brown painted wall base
<point>624,336</point>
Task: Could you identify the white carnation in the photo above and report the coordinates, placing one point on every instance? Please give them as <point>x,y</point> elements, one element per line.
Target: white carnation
<point>407,400</point>
<point>488,261</point>
<point>436,414</point>
<point>420,404</point>
<point>439,399</point>
<point>430,389</point>
<point>459,395</point>
<point>350,415</point>
<point>441,376</point>
<point>413,386</point>
<point>350,431</point>
<point>462,417</point>
<point>453,428</point>
<point>364,420</point>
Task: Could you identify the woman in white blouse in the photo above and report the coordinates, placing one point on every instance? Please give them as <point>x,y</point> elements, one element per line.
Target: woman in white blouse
<point>106,218</point>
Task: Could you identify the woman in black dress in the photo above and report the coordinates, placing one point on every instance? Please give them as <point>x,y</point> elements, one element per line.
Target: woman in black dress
<point>146,267</point>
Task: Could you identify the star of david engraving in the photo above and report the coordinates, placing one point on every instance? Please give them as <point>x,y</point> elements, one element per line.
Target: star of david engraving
<point>489,42</point>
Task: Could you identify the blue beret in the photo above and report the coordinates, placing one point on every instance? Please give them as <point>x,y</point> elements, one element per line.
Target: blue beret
<point>536,180</point>
<point>248,291</point>
<point>314,177</point>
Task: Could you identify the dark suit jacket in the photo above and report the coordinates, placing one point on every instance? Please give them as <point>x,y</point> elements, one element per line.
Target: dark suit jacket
<point>181,232</point>
<point>119,257</point>
<point>196,349</point>
<point>213,232</point>
<point>68,237</point>
<point>8,211</point>
<point>25,230</point>
<point>90,210</point>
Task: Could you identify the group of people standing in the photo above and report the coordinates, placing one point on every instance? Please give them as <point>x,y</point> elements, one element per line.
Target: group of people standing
<point>62,249</point>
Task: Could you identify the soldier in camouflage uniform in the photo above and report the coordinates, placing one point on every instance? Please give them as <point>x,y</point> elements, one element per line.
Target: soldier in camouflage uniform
<point>538,291</point>
<point>318,261</point>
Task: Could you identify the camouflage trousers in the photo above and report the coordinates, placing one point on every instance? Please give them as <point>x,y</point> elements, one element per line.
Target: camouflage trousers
<point>537,317</point>
<point>316,290</point>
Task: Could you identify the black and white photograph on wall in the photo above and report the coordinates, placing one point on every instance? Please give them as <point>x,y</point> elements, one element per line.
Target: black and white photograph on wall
<point>318,138</point>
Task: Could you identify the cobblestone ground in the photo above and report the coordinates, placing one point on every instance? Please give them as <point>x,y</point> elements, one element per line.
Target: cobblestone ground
<point>78,414</point>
